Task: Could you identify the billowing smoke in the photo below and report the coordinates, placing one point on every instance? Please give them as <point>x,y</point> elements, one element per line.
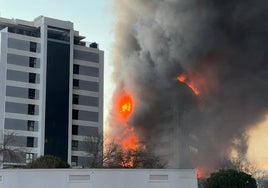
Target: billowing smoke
<point>221,46</point>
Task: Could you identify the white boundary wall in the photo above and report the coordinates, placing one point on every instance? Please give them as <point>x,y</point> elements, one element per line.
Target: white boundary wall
<point>98,178</point>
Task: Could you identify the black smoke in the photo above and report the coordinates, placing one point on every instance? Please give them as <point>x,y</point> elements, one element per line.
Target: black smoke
<point>223,44</point>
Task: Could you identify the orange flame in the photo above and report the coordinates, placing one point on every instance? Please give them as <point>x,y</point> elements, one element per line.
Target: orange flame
<point>124,104</point>
<point>184,78</point>
<point>199,173</point>
<point>130,143</point>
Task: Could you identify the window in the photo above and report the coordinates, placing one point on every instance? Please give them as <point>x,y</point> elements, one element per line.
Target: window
<point>23,60</point>
<point>88,101</point>
<point>75,114</point>
<point>74,145</point>
<point>15,124</point>
<point>31,93</point>
<point>29,157</point>
<point>30,32</point>
<point>88,131</point>
<point>86,70</point>
<point>74,160</point>
<point>18,76</point>
<point>86,85</point>
<point>76,69</point>
<point>75,99</point>
<point>22,92</point>
<point>23,45</point>
<point>86,56</point>
<point>75,130</point>
<point>33,47</point>
<point>58,34</point>
<point>30,125</point>
<point>32,77</point>
<point>32,62</point>
<point>31,109</point>
<point>30,141</point>
<point>87,116</point>
<point>76,84</point>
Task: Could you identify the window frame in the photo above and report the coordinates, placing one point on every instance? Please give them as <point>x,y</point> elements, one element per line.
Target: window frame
<point>75,145</point>
<point>29,157</point>
<point>75,130</point>
<point>31,109</point>
<point>30,142</point>
<point>30,125</point>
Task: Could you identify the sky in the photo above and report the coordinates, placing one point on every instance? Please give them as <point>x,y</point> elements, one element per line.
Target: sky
<point>258,147</point>
<point>95,21</point>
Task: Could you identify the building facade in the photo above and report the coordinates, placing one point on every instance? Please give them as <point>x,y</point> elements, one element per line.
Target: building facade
<point>51,96</point>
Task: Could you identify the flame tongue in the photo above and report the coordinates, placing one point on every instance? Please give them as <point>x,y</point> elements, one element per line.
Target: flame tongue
<point>185,78</point>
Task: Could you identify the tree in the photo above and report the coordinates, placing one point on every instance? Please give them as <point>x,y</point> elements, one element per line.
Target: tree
<point>8,154</point>
<point>239,163</point>
<point>112,155</point>
<point>263,183</point>
<point>230,179</point>
<point>142,158</point>
<point>115,156</point>
<point>95,147</point>
<point>48,161</point>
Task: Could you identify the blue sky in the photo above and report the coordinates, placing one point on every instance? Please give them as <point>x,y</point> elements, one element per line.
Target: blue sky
<point>93,19</point>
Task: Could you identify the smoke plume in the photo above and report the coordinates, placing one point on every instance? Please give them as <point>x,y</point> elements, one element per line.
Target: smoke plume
<point>221,46</point>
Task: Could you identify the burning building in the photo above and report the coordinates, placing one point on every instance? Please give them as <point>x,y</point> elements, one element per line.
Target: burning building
<point>197,72</point>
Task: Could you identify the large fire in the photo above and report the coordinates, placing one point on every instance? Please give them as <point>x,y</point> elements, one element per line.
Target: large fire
<point>184,78</point>
<point>124,105</point>
<point>131,142</point>
<point>128,138</point>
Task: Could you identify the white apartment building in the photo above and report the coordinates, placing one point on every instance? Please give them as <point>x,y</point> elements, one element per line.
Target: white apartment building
<point>51,91</point>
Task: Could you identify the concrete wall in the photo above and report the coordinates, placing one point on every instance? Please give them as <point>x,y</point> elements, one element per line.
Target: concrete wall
<point>98,178</point>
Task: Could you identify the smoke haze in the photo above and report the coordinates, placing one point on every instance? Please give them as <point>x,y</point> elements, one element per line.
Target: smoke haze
<point>221,46</point>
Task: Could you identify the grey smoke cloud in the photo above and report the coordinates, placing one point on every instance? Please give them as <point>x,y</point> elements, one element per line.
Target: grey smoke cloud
<point>222,44</point>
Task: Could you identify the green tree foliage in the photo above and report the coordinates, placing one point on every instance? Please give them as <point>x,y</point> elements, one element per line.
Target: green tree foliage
<point>48,161</point>
<point>230,179</point>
